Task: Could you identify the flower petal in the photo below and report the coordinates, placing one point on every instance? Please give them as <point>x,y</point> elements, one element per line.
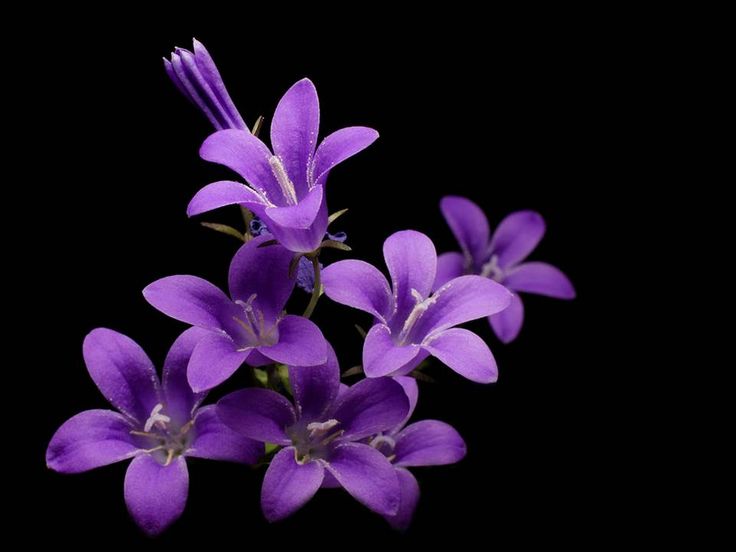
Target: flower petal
<point>300,228</point>
<point>245,154</point>
<point>339,146</point>
<point>190,84</point>
<point>409,498</point>
<point>222,193</point>
<point>462,300</point>
<point>359,285</point>
<point>294,132</point>
<point>469,225</point>
<point>411,390</point>
<point>156,494</point>
<point>301,343</point>
<point>449,266</point>
<point>516,236</point>
<point>122,372</point>
<point>507,323</point>
<point>215,358</point>
<point>192,300</point>
<point>465,353</point>
<point>90,439</point>
<point>216,441</point>
<point>315,388</point>
<point>259,414</point>
<point>367,475</point>
<point>288,485</point>
<point>180,400</point>
<point>429,443</point>
<point>382,357</point>
<point>371,406</point>
<point>540,278</point>
<point>412,262</point>
<point>263,271</point>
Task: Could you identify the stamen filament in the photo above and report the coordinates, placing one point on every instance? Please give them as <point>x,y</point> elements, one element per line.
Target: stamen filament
<point>287,187</point>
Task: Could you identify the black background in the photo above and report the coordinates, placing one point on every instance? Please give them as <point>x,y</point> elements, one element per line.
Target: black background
<point>510,115</point>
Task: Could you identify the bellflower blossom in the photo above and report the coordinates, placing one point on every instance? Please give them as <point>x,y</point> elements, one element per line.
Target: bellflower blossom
<point>157,425</point>
<point>321,433</point>
<point>411,323</point>
<point>499,257</point>
<point>251,327</point>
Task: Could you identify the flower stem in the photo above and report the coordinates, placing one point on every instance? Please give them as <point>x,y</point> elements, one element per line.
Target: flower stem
<point>247,218</point>
<point>317,291</point>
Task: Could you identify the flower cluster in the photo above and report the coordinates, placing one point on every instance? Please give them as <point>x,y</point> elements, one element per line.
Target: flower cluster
<point>311,429</point>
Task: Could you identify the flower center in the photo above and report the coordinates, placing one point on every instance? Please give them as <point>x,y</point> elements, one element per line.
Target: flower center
<point>492,270</point>
<point>164,441</point>
<point>287,187</point>
<point>385,445</point>
<point>312,442</point>
<point>420,307</point>
<point>253,325</point>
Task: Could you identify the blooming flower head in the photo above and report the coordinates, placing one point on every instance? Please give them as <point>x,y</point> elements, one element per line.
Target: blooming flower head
<point>250,325</point>
<point>411,322</point>
<point>286,186</point>
<point>322,436</point>
<point>499,257</point>
<point>158,425</point>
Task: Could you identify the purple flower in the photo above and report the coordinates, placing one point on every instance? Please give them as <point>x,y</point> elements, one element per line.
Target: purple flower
<point>499,257</point>
<point>158,425</point>
<point>425,443</point>
<point>412,323</point>
<point>285,188</point>
<point>251,327</point>
<point>321,434</point>
<point>196,76</point>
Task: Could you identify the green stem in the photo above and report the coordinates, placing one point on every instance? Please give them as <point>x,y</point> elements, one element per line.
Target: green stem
<point>317,288</point>
<point>247,218</point>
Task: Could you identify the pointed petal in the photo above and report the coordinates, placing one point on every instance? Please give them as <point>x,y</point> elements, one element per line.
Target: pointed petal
<point>259,414</point>
<point>338,147</point>
<point>288,485</point>
<point>367,475</point>
<point>411,390</point>
<point>359,285</point>
<point>315,388</point>
<point>222,193</point>
<point>300,216</point>
<point>409,498</point>
<point>516,237</point>
<point>216,441</point>
<point>300,228</point>
<point>214,359</point>
<point>412,262</point>
<point>90,439</point>
<point>465,353</point>
<point>122,372</point>
<point>301,343</point>
<point>429,443</point>
<point>371,406</point>
<point>180,400</point>
<point>449,266</point>
<point>156,494</point>
<point>382,357</point>
<point>469,225</point>
<point>507,323</point>
<point>540,278</point>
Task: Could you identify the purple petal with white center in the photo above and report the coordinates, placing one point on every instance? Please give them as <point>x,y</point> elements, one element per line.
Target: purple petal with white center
<point>371,406</point>
<point>222,193</point>
<point>540,278</point>
<point>294,132</point>
<point>263,272</point>
<point>180,401</point>
<point>461,300</point>
<point>465,353</point>
<point>301,343</point>
<point>412,262</point>
<point>409,498</point>
<point>516,236</point>
<point>315,388</point>
<point>381,356</point>
<point>507,323</point>
<point>359,285</point>
<point>259,414</point>
<point>90,439</point>
<point>469,225</point>
<point>428,443</point>
<point>245,154</point>
<point>449,266</point>
<point>288,485</point>
<point>339,146</point>
<point>192,300</point>
<point>411,390</point>
<point>156,494</point>
<point>122,372</point>
<point>216,441</point>
<point>367,475</point>
<point>215,358</point>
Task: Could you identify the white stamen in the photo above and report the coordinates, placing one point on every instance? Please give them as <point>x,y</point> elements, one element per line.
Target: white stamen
<point>492,270</point>
<point>419,309</point>
<point>287,187</point>
<point>379,440</point>
<point>320,428</point>
<point>156,418</point>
